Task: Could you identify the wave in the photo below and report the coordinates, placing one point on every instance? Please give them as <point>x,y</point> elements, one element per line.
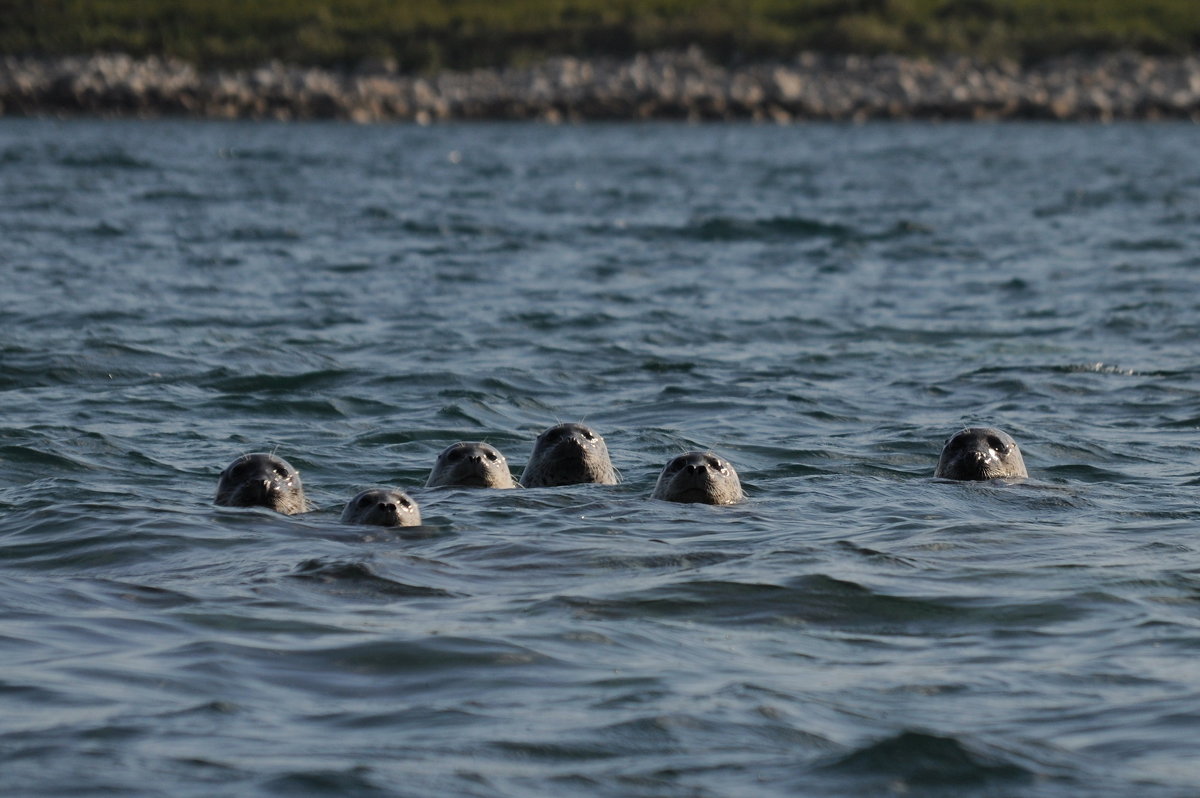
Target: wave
<point>358,581</point>
<point>913,759</point>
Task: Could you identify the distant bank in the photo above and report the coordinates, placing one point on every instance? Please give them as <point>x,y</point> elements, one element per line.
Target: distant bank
<point>431,35</point>
<point>676,85</point>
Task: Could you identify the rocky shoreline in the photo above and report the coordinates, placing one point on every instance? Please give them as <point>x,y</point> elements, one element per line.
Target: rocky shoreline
<point>682,86</point>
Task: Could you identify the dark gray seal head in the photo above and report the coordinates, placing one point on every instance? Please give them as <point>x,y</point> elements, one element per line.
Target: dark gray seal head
<point>261,480</point>
<point>471,465</point>
<point>699,477</point>
<point>382,507</point>
<point>568,454</point>
<point>979,453</point>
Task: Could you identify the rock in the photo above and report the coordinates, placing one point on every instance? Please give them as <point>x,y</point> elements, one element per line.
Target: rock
<point>650,85</point>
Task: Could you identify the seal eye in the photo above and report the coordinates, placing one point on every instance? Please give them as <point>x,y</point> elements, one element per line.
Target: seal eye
<point>491,456</point>
<point>997,444</point>
<point>405,503</point>
<point>281,471</point>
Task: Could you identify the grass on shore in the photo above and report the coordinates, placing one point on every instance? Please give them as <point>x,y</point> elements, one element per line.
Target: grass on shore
<point>473,33</point>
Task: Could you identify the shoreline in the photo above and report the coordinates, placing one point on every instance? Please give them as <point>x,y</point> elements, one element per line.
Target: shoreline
<point>667,85</point>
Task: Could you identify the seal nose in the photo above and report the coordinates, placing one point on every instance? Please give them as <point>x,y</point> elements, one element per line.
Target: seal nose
<point>693,468</point>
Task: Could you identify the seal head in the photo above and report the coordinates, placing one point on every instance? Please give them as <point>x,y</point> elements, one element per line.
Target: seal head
<point>699,477</point>
<point>470,465</point>
<point>980,453</point>
<point>261,480</point>
<point>568,454</point>
<point>382,507</point>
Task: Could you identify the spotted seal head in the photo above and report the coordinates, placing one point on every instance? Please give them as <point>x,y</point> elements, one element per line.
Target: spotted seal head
<point>470,465</point>
<point>382,507</point>
<point>980,453</point>
<point>568,454</point>
<point>261,480</point>
<point>699,477</point>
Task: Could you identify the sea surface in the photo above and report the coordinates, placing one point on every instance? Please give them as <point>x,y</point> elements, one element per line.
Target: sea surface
<point>821,304</point>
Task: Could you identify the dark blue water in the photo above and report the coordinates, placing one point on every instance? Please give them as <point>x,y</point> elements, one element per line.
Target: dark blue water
<point>822,305</point>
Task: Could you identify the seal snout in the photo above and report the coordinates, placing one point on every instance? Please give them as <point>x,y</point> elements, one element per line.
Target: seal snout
<point>572,443</point>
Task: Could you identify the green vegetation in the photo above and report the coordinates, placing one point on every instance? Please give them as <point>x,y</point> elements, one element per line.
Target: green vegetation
<point>469,33</point>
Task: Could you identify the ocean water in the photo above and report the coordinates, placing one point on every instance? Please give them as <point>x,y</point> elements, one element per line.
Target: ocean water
<point>821,304</point>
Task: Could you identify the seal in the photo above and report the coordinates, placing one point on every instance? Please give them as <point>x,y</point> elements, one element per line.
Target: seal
<point>568,454</point>
<point>699,477</point>
<point>261,480</point>
<point>980,453</point>
<point>382,507</point>
<point>470,465</point>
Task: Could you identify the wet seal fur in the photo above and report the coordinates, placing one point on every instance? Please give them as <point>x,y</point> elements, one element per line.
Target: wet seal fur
<point>470,465</point>
<point>980,453</point>
<point>699,477</point>
<point>261,480</point>
<point>569,454</point>
<point>382,507</point>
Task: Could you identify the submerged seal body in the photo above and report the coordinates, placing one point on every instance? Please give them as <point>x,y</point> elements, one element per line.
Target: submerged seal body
<point>699,477</point>
<point>470,465</point>
<point>382,507</point>
<point>568,454</point>
<point>980,453</point>
<point>261,480</point>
